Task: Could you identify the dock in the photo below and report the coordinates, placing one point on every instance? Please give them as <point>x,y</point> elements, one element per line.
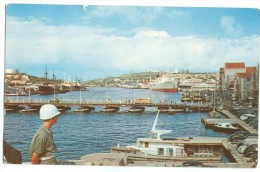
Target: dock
<point>128,159</point>
<point>231,118</point>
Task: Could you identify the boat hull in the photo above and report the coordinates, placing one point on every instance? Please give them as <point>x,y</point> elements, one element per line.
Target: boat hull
<point>226,130</point>
<point>136,155</point>
<point>169,90</point>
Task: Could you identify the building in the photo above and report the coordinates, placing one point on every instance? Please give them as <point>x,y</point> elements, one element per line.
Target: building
<point>238,81</point>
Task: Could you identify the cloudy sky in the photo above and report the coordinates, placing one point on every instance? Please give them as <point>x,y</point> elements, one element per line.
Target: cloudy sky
<point>98,41</point>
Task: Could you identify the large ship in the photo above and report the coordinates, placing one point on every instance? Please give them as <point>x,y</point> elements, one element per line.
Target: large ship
<point>47,87</point>
<point>164,84</point>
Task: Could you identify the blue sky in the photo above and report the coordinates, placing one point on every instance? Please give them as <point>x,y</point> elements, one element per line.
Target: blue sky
<point>100,41</point>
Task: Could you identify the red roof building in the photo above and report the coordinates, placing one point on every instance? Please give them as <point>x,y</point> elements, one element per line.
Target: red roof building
<point>234,65</point>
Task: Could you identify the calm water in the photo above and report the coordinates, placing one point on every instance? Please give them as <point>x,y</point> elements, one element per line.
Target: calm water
<point>79,134</point>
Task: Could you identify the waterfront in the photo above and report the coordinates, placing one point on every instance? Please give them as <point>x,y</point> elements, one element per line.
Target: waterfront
<point>79,134</point>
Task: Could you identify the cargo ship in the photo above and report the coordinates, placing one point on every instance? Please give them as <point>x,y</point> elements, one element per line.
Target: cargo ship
<point>165,84</point>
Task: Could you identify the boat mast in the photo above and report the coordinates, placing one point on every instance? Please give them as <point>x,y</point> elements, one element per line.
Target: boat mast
<point>53,78</point>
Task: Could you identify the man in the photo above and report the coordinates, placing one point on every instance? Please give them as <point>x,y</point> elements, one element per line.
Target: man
<point>43,148</point>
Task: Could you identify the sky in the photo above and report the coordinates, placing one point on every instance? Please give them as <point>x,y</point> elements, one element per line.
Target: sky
<point>91,42</point>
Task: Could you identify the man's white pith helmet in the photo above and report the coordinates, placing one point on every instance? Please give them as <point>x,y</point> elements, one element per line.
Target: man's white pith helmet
<point>48,111</point>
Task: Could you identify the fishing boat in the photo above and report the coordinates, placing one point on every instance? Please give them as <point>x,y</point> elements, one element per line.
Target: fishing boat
<point>157,148</point>
<point>226,127</point>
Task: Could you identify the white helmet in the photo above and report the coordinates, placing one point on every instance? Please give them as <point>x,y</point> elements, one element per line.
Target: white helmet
<point>48,111</point>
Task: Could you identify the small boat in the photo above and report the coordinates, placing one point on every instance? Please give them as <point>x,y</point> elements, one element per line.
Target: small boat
<point>84,109</point>
<point>226,127</point>
<point>110,109</point>
<point>136,109</point>
<point>80,110</point>
<point>29,110</point>
<point>173,111</point>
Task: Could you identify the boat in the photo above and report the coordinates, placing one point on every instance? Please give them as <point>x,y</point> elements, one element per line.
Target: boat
<point>186,97</point>
<point>136,109</point>
<point>84,109</point>
<point>164,84</point>
<point>157,148</point>
<point>29,110</point>
<point>214,113</point>
<point>226,127</point>
<point>173,111</point>
<point>46,87</point>
<point>110,109</point>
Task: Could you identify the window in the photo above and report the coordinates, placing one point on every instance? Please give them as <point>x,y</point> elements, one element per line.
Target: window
<point>160,151</point>
<point>146,144</point>
<point>170,151</point>
<point>179,152</point>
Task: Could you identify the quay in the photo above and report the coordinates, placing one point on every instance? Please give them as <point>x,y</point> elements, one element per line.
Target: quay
<point>131,159</point>
<point>231,118</point>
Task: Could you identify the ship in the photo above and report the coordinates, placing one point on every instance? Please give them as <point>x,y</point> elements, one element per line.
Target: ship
<point>47,87</point>
<point>165,84</point>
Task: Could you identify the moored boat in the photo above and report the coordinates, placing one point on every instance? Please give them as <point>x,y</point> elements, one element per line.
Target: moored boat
<point>226,127</point>
<point>165,84</point>
<point>156,148</point>
<point>110,109</point>
<point>173,111</point>
<point>136,109</point>
<point>29,110</point>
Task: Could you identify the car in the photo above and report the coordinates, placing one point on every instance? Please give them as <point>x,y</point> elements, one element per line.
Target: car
<point>252,152</point>
<point>246,141</point>
<point>246,116</point>
<point>236,135</point>
<point>244,149</point>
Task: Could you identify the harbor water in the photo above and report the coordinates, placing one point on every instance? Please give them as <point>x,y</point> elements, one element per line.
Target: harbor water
<point>80,134</point>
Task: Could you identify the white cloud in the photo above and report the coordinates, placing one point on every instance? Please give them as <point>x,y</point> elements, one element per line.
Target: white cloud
<point>229,25</point>
<point>131,14</point>
<point>36,43</point>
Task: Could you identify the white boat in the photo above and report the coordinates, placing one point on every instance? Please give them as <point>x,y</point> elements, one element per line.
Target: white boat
<point>156,148</point>
<point>82,110</point>
<point>136,109</point>
<point>226,127</point>
<point>110,109</point>
<point>173,111</point>
<point>29,110</point>
<point>164,84</point>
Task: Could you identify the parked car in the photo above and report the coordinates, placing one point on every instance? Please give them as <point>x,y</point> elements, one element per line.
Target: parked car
<point>251,153</point>
<point>245,148</point>
<point>237,135</point>
<point>245,116</point>
<point>246,141</point>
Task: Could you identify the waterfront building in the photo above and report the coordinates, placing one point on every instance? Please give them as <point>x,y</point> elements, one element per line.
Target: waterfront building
<point>238,80</point>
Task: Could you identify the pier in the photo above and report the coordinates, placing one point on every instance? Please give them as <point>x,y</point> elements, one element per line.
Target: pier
<point>231,118</point>
<point>66,105</point>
